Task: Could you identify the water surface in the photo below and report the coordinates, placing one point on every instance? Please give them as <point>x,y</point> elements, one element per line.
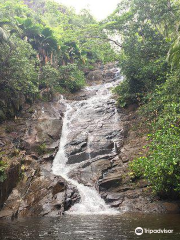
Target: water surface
<point>99,227</point>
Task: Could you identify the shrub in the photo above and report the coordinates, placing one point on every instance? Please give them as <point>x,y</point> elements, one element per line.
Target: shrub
<point>2,170</point>
<point>42,149</point>
<point>162,164</point>
<point>71,78</point>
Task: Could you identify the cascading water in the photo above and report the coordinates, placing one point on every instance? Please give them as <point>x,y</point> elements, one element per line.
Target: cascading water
<point>91,202</point>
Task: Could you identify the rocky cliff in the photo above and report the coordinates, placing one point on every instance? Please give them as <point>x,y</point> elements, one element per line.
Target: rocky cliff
<point>101,143</point>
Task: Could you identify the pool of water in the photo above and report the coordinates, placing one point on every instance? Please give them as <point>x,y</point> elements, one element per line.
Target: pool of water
<point>100,227</point>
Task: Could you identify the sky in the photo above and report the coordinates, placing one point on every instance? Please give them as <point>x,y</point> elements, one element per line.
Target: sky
<point>100,9</point>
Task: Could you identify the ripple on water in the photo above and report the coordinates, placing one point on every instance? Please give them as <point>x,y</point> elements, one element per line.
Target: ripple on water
<point>98,227</point>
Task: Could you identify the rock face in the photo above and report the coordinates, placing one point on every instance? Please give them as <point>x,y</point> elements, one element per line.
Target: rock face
<point>12,176</point>
<point>44,128</point>
<point>100,145</point>
<point>39,192</point>
<point>94,132</point>
<point>95,75</point>
<point>97,144</point>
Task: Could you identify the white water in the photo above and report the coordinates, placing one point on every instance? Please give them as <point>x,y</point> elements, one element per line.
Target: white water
<point>91,202</point>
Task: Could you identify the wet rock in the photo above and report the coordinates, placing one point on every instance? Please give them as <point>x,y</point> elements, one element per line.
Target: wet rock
<point>54,145</point>
<point>72,197</point>
<point>12,176</point>
<point>44,128</point>
<point>59,187</point>
<point>39,193</point>
<point>77,158</point>
<point>116,204</point>
<point>95,75</point>
<point>90,172</point>
<point>110,197</point>
<point>42,133</point>
<point>113,199</point>
<point>141,204</point>
<point>48,156</point>
<point>99,143</point>
<point>110,74</point>
<point>110,182</point>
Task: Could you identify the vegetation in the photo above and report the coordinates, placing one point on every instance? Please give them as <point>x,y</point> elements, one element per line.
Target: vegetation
<point>42,149</point>
<point>2,171</point>
<point>150,61</point>
<point>3,166</point>
<point>45,47</point>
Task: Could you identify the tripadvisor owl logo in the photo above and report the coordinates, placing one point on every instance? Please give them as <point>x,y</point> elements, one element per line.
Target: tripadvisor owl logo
<point>138,231</point>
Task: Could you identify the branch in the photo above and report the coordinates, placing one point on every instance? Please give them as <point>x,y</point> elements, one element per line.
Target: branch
<point>117,43</point>
<point>108,39</point>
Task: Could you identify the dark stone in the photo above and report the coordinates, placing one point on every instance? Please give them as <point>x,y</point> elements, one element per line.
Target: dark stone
<point>117,203</point>
<point>48,157</point>
<point>59,187</point>
<point>77,158</point>
<point>108,184</point>
<point>72,197</point>
<point>110,197</point>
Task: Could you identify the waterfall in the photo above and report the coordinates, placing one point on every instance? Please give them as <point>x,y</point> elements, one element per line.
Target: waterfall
<point>91,202</point>
<point>59,164</point>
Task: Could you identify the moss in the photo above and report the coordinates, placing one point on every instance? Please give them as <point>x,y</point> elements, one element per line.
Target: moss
<point>42,149</point>
<point>31,110</point>
<point>3,167</point>
<point>15,152</point>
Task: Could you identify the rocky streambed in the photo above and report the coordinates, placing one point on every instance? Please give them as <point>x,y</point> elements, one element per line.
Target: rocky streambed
<point>99,144</point>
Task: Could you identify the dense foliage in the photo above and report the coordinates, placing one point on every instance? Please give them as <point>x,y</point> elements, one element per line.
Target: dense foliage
<point>150,63</point>
<point>45,46</point>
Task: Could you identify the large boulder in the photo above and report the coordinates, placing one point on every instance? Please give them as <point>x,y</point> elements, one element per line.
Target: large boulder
<point>44,128</point>
<point>95,75</point>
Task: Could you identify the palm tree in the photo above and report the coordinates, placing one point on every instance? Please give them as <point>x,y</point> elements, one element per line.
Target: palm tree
<point>5,35</point>
<point>174,53</point>
<point>41,38</point>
